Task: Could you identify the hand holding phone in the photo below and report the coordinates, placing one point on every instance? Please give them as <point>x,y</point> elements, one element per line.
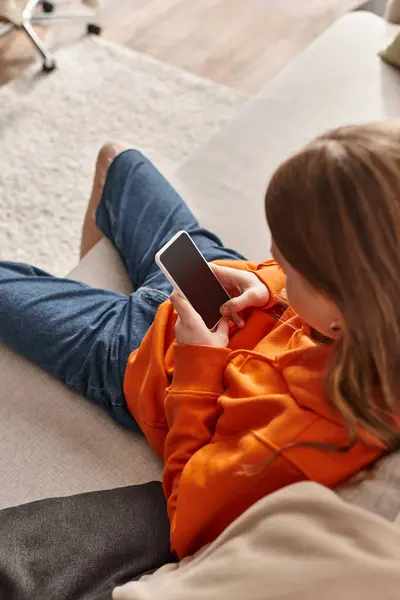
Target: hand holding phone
<point>244,287</point>
<point>191,329</point>
<point>186,268</point>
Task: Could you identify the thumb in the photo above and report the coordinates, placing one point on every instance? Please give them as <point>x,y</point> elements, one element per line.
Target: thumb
<point>123,593</point>
<point>238,303</point>
<point>184,309</point>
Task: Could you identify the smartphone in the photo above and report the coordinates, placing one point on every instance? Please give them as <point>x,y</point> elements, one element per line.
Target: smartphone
<point>186,268</point>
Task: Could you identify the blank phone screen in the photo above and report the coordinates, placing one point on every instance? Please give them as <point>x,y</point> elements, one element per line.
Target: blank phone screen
<point>195,279</point>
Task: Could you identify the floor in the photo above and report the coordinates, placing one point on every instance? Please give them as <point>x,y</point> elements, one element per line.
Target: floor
<point>240,43</point>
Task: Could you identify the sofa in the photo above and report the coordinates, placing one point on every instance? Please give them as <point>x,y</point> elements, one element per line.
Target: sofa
<point>52,442</point>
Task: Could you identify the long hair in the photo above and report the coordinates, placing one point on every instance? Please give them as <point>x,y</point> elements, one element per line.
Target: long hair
<point>334,213</point>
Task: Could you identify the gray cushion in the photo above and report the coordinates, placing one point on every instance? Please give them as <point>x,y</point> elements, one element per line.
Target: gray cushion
<point>379,492</point>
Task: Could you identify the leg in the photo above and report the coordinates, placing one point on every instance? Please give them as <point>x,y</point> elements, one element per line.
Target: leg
<point>140,211</point>
<point>90,233</point>
<point>81,335</point>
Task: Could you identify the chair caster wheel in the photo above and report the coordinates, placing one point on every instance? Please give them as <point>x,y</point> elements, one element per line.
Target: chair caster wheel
<point>48,7</point>
<point>48,66</point>
<point>93,29</point>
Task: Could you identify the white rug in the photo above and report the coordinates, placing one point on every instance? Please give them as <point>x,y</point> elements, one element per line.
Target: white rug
<point>51,128</point>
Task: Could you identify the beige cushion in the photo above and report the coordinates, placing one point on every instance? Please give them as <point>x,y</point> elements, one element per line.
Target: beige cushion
<point>51,441</point>
<point>103,268</point>
<point>54,443</point>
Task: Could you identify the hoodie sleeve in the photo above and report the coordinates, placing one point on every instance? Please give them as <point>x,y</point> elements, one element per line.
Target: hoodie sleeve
<point>202,482</point>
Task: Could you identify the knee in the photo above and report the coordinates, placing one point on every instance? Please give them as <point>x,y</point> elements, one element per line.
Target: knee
<point>105,157</point>
<point>10,271</point>
<point>108,152</point>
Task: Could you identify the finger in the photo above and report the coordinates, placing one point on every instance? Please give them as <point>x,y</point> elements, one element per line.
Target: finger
<point>183,308</point>
<point>227,276</point>
<point>216,268</point>
<point>124,592</point>
<point>230,278</point>
<point>226,271</point>
<point>237,304</point>
<point>188,316</point>
<point>232,275</point>
<point>237,319</point>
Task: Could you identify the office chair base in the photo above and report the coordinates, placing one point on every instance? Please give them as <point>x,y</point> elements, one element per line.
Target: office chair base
<point>32,17</point>
<point>48,7</point>
<point>93,29</point>
<point>49,65</point>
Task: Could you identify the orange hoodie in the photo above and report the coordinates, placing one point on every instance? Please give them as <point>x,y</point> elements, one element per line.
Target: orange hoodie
<point>208,412</point>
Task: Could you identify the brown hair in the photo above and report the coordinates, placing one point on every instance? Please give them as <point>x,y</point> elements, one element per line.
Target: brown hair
<point>334,213</point>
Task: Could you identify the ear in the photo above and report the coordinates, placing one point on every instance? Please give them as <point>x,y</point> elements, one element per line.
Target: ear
<point>335,329</point>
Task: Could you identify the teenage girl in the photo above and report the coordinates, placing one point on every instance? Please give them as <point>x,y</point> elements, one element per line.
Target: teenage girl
<point>301,378</point>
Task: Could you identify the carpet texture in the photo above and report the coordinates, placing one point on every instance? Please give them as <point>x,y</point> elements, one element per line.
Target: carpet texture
<point>51,128</point>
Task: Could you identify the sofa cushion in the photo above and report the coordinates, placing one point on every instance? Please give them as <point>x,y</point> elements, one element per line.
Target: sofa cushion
<point>54,443</point>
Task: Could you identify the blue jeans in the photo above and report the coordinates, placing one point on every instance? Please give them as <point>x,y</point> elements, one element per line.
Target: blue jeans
<point>83,335</point>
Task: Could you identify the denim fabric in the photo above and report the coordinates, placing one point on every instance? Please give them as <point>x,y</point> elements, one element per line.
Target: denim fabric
<point>84,335</point>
